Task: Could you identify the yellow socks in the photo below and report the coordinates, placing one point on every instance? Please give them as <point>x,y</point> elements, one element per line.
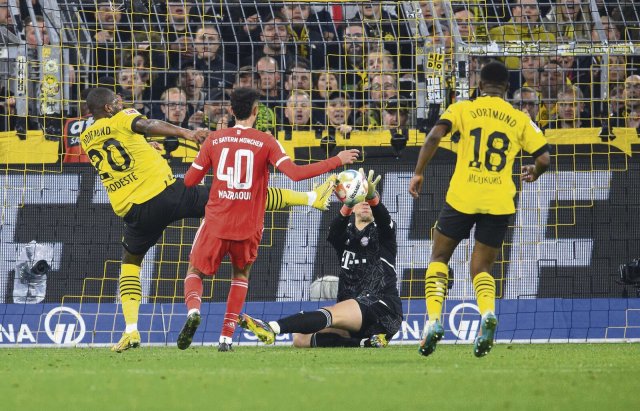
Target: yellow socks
<point>130,294</point>
<point>435,288</point>
<point>485,286</point>
<point>279,198</point>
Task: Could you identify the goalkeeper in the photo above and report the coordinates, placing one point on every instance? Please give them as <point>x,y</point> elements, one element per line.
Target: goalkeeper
<point>143,191</point>
<point>369,311</point>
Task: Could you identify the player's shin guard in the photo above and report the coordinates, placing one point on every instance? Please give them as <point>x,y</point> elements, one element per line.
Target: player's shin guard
<point>485,287</point>
<point>193,291</point>
<point>279,198</point>
<point>305,322</point>
<point>235,301</point>
<point>130,294</point>
<point>435,288</point>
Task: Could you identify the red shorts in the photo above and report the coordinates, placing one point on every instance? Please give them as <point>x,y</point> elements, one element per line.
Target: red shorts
<point>208,250</point>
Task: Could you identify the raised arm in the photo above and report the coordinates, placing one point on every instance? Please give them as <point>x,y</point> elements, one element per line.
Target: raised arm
<point>297,173</point>
<point>427,151</point>
<point>152,127</point>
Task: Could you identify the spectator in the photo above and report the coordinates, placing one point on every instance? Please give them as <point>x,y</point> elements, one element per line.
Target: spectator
<point>552,81</point>
<point>616,100</point>
<point>298,112</point>
<point>611,32</point>
<point>6,20</point>
<point>133,86</point>
<point>390,30</point>
<point>246,77</point>
<point>531,66</point>
<point>178,32</point>
<point>269,79</point>
<point>174,106</point>
<point>220,74</point>
<point>312,32</point>
<point>324,83</point>
<point>570,20</point>
<point>244,32</point>
<point>395,115</point>
<point>298,78</point>
<point>629,116</point>
<point>216,112</point>
<point>275,39</point>
<point>383,87</point>
<point>524,25</point>
<point>466,21</point>
<point>339,112</point>
<point>192,82</point>
<point>526,100</point>
<point>350,61</point>
<point>570,106</point>
<point>32,38</point>
<point>108,28</point>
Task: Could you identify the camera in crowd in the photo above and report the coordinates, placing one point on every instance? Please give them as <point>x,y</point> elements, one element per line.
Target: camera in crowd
<point>630,273</point>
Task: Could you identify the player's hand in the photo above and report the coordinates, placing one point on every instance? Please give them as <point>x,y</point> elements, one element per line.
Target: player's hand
<point>197,136</point>
<point>528,173</point>
<point>372,183</point>
<point>415,185</point>
<point>348,156</point>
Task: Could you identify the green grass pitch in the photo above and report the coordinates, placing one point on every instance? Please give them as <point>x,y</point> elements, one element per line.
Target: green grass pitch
<point>512,377</point>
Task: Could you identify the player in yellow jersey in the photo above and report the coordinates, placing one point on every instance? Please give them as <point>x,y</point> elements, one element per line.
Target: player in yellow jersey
<point>491,133</point>
<point>143,191</point>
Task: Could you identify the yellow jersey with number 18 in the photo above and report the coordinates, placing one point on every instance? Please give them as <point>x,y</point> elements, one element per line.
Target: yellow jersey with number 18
<point>130,169</point>
<point>491,134</point>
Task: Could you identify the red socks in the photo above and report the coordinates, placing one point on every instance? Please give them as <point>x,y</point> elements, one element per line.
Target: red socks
<point>235,301</point>
<point>193,291</point>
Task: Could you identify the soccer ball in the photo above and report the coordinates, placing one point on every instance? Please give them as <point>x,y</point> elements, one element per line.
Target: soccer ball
<point>351,186</point>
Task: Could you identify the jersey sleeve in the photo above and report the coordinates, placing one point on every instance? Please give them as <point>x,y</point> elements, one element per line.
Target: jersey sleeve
<point>128,117</point>
<point>386,225</point>
<point>533,140</point>
<point>200,165</point>
<point>280,160</point>
<point>450,118</point>
<point>338,233</point>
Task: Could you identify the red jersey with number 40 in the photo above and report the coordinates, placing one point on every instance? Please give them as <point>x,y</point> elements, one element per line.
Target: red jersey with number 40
<point>240,159</point>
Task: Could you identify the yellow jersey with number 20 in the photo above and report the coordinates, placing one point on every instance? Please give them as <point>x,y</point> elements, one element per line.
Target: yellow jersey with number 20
<point>491,134</point>
<point>130,169</point>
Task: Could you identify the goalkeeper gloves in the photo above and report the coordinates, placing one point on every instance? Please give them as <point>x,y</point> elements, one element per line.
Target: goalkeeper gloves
<point>372,184</point>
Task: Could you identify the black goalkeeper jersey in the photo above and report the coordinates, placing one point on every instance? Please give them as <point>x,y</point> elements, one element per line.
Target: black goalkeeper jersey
<point>367,258</point>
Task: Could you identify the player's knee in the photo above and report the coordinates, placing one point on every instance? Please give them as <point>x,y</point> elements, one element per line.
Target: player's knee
<point>302,340</point>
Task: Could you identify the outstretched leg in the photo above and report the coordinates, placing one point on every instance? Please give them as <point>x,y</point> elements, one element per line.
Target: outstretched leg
<point>345,315</point>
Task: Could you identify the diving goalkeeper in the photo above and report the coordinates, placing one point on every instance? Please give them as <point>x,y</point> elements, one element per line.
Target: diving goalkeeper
<point>369,311</point>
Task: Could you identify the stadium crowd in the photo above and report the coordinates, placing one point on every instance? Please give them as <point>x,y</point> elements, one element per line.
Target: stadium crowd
<point>333,66</point>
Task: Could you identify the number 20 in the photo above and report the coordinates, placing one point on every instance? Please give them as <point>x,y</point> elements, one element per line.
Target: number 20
<point>232,175</point>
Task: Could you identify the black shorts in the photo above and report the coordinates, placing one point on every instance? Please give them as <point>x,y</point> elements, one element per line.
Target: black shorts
<point>490,228</point>
<point>144,223</point>
<point>378,317</point>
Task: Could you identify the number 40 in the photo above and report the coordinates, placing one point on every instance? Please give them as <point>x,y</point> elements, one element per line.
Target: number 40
<point>233,175</point>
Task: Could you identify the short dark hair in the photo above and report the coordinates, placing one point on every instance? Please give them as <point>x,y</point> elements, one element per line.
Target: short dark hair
<point>242,102</point>
<point>98,98</point>
<point>494,72</point>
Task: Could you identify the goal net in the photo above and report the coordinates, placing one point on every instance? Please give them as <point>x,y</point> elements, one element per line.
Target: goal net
<point>368,75</point>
